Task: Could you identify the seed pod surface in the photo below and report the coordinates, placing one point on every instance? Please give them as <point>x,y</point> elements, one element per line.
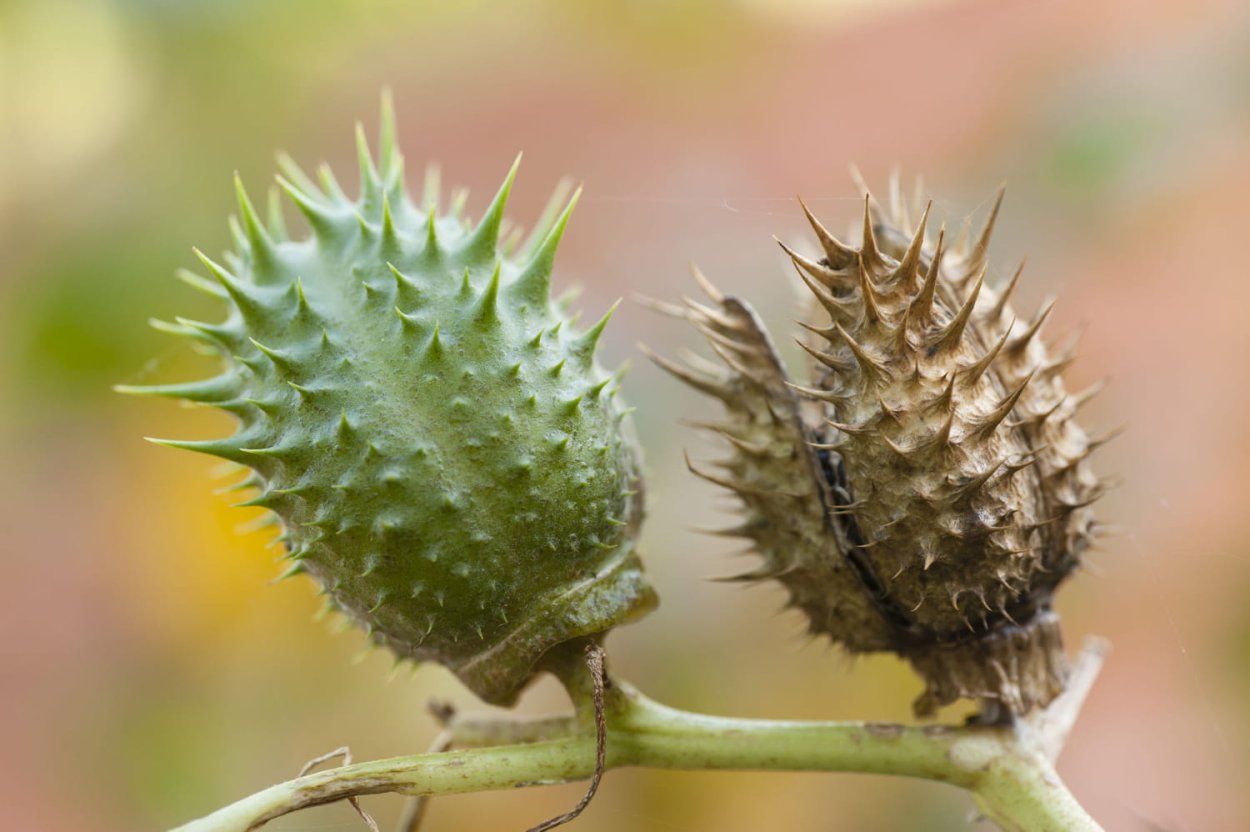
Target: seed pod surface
<point>444,454</point>
<point>944,488</point>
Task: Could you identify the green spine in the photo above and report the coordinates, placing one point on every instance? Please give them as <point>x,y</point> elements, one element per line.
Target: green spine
<point>447,458</point>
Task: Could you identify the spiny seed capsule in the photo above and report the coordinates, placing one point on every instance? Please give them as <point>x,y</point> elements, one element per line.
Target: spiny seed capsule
<point>443,452</point>
<point>928,491</point>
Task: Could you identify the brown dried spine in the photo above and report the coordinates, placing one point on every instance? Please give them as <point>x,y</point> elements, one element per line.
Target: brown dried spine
<point>928,491</point>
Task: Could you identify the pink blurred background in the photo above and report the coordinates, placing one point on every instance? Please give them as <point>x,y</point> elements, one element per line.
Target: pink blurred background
<point>151,671</point>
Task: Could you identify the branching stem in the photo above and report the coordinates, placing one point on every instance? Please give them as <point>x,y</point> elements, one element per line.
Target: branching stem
<point>1008,770</point>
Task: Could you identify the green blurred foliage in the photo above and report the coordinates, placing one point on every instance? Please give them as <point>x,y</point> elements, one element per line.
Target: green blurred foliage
<point>1094,154</point>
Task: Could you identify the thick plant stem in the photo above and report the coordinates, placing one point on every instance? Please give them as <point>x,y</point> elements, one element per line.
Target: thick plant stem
<point>1021,792</point>
<point>1006,768</point>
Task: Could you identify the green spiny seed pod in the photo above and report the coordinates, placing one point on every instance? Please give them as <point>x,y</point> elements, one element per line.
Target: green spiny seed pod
<point>445,455</point>
<point>928,491</point>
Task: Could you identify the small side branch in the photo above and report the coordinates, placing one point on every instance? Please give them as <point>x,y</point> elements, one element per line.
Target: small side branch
<point>346,753</point>
<point>1052,726</point>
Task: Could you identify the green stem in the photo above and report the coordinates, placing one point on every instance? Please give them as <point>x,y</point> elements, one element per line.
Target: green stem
<point>1013,785</point>
<point>1022,792</point>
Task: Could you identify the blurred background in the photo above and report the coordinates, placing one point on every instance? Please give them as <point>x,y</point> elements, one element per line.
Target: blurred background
<point>152,673</point>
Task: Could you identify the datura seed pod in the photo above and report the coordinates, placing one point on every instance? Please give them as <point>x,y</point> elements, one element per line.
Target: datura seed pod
<point>442,450</point>
<point>927,491</point>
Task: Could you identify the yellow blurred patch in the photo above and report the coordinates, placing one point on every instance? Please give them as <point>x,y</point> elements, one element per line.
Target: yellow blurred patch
<point>200,579</point>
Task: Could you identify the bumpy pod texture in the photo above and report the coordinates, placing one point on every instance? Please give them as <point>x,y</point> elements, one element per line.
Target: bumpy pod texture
<point>928,491</point>
<point>444,454</point>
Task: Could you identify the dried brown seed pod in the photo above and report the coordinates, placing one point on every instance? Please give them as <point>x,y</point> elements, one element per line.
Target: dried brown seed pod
<point>928,491</point>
